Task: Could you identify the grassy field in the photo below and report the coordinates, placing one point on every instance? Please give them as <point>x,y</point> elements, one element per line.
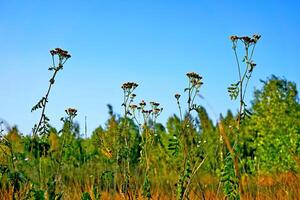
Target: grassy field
<point>251,154</point>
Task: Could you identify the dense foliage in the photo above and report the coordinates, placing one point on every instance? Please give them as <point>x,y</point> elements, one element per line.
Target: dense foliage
<point>251,154</point>
<point>51,165</point>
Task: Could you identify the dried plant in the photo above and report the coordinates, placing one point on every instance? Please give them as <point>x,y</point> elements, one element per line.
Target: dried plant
<point>239,88</point>
<point>146,128</point>
<point>191,164</point>
<point>232,187</point>
<point>42,127</point>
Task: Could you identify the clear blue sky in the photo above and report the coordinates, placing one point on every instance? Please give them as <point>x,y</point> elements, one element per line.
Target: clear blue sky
<point>153,43</point>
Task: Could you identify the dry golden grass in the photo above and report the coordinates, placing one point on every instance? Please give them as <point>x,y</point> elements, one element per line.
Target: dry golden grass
<point>280,187</point>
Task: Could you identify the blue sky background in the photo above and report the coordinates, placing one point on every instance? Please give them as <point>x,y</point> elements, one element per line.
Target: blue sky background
<point>153,43</point>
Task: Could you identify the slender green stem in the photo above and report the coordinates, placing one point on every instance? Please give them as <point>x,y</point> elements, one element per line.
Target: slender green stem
<point>45,102</point>
<point>194,171</point>
<point>179,107</point>
<point>251,55</point>
<point>194,96</point>
<point>238,63</point>
<point>189,97</point>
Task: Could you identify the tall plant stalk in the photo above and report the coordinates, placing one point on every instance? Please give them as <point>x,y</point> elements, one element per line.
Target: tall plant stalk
<point>238,91</point>
<point>42,126</point>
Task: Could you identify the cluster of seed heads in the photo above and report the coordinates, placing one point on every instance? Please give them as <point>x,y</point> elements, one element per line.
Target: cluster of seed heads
<point>63,56</point>
<point>129,86</point>
<point>61,53</point>
<point>195,79</point>
<point>154,107</point>
<point>72,112</point>
<point>246,39</point>
<point>193,75</point>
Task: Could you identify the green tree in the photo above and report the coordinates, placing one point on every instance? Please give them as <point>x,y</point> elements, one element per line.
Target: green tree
<point>275,125</point>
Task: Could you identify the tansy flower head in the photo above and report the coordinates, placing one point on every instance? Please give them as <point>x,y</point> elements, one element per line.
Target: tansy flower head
<point>129,85</point>
<point>177,96</point>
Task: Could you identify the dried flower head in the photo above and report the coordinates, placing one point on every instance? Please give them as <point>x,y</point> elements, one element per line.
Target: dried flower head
<point>195,79</point>
<point>129,86</point>
<point>246,39</point>
<point>154,103</point>
<point>234,38</point>
<point>53,52</point>
<point>146,111</point>
<point>61,53</point>
<point>143,103</point>
<point>256,37</point>
<point>196,82</point>
<point>157,110</point>
<point>177,96</point>
<point>71,111</point>
<point>133,106</point>
<point>193,75</point>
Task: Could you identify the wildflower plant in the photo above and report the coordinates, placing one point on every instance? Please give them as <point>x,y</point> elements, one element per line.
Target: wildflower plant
<point>123,151</point>
<point>128,96</point>
<point>239,88</point>
<point>71,114</point>
<point>245,66</point>
<point>42,127</point>
<point>68,125</point>
<point>59,58</point>
<point>148,134</point>
<point>195,82</point>
<point>182,142</point>
<point>146,127</point>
